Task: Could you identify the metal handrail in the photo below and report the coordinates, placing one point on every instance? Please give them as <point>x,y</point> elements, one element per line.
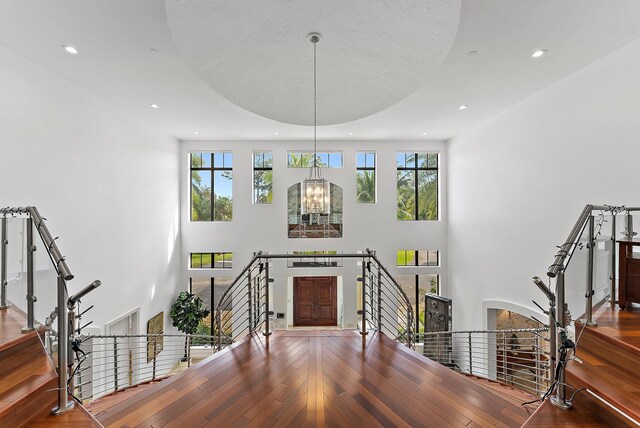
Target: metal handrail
<point>64,274</point>
<point>255,302</point>
<point>490,354</point>
<point>557,306</point>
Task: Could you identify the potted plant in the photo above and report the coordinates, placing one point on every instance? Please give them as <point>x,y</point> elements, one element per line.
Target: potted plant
<point>186,314</point>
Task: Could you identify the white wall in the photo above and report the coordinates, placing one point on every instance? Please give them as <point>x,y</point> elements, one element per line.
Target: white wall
<point>264,227</point>
<point>518,182</point>
<point>107,184</point>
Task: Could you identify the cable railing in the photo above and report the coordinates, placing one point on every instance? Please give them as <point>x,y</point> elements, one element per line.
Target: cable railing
<point>17,226</point>
<point>112,363</point>
<point>245,306</point>
<point>585,274</point>
<point>518,357</point>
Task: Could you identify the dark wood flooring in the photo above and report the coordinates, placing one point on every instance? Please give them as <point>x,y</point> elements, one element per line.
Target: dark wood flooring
<point>317,378</point>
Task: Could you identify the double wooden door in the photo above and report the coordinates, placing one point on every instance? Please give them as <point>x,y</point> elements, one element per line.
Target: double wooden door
<point>315,301</point>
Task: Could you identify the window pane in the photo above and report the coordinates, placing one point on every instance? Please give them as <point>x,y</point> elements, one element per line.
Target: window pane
<point>427,195</point>
<point>405,257</point>
<point>429,284</point>
<point>196,160</point>
<point>433,160</point>
<point>223,196</point>
<point>422,258</point>
<point>433,258</point>
<point>228,160</point>
<point>206,260</point>
<point>267,160</point>
<point>323,159</point>
<point>307,160</point>
<point>228,260</point>
<point>361,160</point>
<point>218,260</point>
<point>258,160</point>
<point>406,195</point>
<point>200,195</point>
<point>408,285</point>
<point>262,187</point>
<point>335,160</point>
<point>371,160</point>
<point>366,186</point>
<point>196,260</point>
<point>218,160</point>
<point>201,287</point>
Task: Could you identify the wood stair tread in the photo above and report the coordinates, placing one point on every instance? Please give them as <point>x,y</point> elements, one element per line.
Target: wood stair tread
<point>619,387</point>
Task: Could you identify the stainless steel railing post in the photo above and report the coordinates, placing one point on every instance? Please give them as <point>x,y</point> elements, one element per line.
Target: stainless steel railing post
<point>470,356</point>
<point>250,308</point>
<point>31,298</point>
<point>64,404</point>
<point>612,288</point>
<point>379,299</point>
<point>629,225</point>
<point>3,264</point>
<point>219,323</point>
<point>590,266</point>
<point>363,327</point>
<point>560,398</point>
<point>267,327</point>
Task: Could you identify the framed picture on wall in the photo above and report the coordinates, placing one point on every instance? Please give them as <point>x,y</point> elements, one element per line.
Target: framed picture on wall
<point>154,344</point>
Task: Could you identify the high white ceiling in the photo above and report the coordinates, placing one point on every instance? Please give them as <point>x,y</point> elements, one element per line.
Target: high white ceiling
<point>128,57</point>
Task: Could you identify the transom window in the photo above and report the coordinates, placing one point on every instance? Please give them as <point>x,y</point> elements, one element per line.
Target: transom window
<point>212,186</point>
<point>418,258</point>
<point>305,160</point>
<point>211,260</point>
<point>417,186</point>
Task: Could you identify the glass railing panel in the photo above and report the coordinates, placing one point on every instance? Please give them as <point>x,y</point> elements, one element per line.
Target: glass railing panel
<point>16,263</point>
<point>602,257</point>
<point>576,277</point>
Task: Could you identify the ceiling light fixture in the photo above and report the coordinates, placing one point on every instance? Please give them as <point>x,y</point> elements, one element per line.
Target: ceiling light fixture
<point>315,189</point>
<point>276,133</point>
<point>350,133</point>
<point>539,53</point>
<point>154,106</point>
<point>463,107</point>
<point>70,49</point>
<point>196,132</point>
<point>424,133</point>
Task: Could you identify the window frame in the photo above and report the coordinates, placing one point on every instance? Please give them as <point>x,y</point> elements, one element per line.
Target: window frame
<point>366,168</point>
<point>261,169</point>
<point>318,157</point>
<point>212,169</point>
<point>416,169</point>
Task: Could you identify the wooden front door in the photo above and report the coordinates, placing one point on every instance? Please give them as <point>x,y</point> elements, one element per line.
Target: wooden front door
<point>315,301</point>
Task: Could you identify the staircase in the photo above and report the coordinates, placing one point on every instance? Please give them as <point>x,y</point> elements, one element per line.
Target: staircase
<point>28,380</point>
<point>608,357</point>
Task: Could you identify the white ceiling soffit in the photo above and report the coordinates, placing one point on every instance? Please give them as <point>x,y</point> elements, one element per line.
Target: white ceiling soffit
<point>372,54</point>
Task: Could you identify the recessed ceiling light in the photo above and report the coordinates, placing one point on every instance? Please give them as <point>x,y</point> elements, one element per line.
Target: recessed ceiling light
<point>424,133</point>
<point>350,133</point>
<point>196,133</point>
<point>154,106</point>
<point>70,49</point>
<point>463,107</point>
<point>276,133</point>
<point>539,53</point>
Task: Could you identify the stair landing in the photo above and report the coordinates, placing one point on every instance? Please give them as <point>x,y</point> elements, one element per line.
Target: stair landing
<point>317,378</point>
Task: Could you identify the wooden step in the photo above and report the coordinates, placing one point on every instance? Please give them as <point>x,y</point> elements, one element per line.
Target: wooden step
<point>615,385</point>
<point>26,373</point>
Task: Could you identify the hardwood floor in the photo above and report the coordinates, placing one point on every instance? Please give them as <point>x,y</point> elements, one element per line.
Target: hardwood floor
<point>317,378</point>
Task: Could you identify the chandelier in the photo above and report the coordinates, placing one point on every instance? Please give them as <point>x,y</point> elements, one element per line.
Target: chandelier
<point>315,189</point>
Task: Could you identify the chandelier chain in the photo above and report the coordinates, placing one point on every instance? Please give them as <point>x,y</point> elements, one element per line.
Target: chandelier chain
<point>315,105</point>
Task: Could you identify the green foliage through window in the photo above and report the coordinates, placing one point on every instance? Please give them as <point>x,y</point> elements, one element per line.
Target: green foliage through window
<point>262,178</point>
<point>366,177</point>
<point>305,160</point>
<point>211,186</point>
<point>417,186</point>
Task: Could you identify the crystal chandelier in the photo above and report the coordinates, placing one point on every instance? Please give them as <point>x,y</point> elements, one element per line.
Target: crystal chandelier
<point>315,189</point>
